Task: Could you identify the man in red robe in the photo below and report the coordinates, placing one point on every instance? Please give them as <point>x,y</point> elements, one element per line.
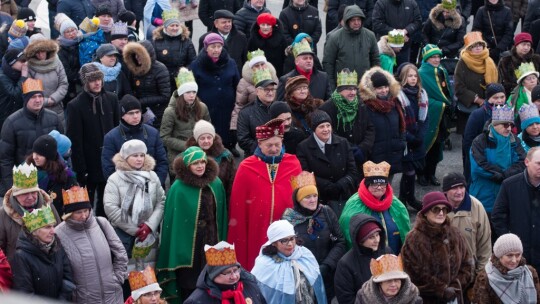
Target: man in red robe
<point>261,192</point>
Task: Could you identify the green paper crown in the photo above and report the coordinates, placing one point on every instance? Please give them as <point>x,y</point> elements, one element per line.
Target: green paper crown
<point>260,75</point>
<point>301,47</point>
<point>256,53</point>
<point>347,78</point>
<point>396,38</point>
<point>170,14</point>
<point>38,218</point>
<point>25,176</point>
<point>524,68</point>
<point>449,4</point>
<point>184,76</point>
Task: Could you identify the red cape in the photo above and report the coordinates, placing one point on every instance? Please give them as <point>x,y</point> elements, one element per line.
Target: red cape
<point>6,277</point>
<point>256,202</point>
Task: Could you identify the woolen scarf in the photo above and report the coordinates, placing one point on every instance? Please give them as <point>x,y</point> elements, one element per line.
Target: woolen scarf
<point>314,223</point>
<point>44,66</point>
<point>96,99</point>
<point>265,36</point>
<point>304,73</point>
<point>236,295</point>
<point>503,150</point>
<point>516,286</point>
<point>106,27</point>
<point>385,106</point>
<point>63,41</point>
<point>372,202</point>
<point>136,198</point>
<point>481,64</point>
<point>346,110</point>
<point>110,73</point>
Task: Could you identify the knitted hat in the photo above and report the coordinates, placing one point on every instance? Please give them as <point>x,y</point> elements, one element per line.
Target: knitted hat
<point>75,198</point>
<point>193,154</point>
<point>46,146</point>
<point>294,82</point>
<point>129,103</point>
<point>203,127</point>
<point>90,72</point>
<point>212,38</point>
<point>502,114</point>
<point>266,18</point>
<point>219,258</point>
<point>26,14</point>
<point>522,37</point>
<point>25,179</point>
<point>493,88</point>
<point>31,87</point>
<point>387,267</point>
<point>528,114</point>
<point>366,231</point>
<point>131,147</point>
<point>18,29</point>
<point>535,94</point>
<point>63,142</point>
<point>507,243</point>
<point>170,17</point>
<point>223,13</point>
<point>379,80</point>
<point>453,179</point>
<point>432,199</point>
<point>19,43</point>
<point>304,184</point>
<point>105,50</point>
<point>127,17</point>
<point>119,30</point>
<point>318,117</point>
<point>279,230</point>
<point>375,173</point>
<point>270,129</point>
<point>277,108</point>
<point>103,10</point>
<point>255,57</point>
<point>142,282</point>
<point>473,38</point>
<point>430,50</point>
<point>37,37</point>
<point>14,55</point>
<point>186,82</point>
<point>64,24</point>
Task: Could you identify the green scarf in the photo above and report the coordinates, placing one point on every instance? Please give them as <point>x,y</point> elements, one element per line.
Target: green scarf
<point>347,110</point>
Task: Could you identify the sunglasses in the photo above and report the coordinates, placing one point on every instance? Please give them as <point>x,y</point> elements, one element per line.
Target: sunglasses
<point>437,210</point>
<point>288,240</point>
<point>507,125</point>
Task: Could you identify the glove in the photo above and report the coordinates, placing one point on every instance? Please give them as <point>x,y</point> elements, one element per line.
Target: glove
<point>143,232</point>
<point>158,21</point>
<point>498,177</point>
<point>359,157</point>
<point>450,293</point>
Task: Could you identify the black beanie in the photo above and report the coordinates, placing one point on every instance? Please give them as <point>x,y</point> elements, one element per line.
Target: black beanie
<point>453,179</point>
<point>318,117</point>
<point>277,108</point>
<point>127,17</point>
<point>46,146</point>
<point>535,94</point>
<point>379,80</point>
<point>129,103</point>
<point>26,14</point>
<point>103,10</point>
<point>492,89</point>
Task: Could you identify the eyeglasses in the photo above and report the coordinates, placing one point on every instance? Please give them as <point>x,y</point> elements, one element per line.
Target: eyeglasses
<point>302,88</point>
<point>152,294</point>
<point>507,125</point>
<point>378,185</point>
<point>268,90</point>
<point>437,210</point>
<point>288,240</point>
<point>231,272</point>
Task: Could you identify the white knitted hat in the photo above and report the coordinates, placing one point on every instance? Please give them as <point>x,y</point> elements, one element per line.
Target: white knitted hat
<point>203,127</point>
<point>507,243</point>
<point>131,147</point>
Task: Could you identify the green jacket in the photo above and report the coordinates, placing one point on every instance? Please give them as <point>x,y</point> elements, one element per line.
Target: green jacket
<point>387,63</point>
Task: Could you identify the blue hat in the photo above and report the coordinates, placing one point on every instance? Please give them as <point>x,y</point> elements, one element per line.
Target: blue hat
<point>528,114</point>
<point>63,142</point>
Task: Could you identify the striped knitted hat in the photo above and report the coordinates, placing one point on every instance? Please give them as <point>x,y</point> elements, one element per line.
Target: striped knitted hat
<point>430,50</point>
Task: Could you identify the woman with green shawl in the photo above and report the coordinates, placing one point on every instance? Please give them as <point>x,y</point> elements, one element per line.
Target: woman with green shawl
<point>195,214</point>
<point>527,80</point>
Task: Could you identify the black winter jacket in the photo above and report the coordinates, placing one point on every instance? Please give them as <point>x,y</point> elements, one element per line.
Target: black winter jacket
<point>533,14</point>
<point>501,21</point>
<point>508,65</point>
<point>120,86</point>
<point>396,14</point>
<point>69,56</point>
<point>333,7</point>
<point>319,86</point>
<point>249,118</point>
<point>77,10</point>
<point>296,20</point>
<point>446,34</point>
<point>246,17</point>
<point>207,8</point>
<point>235,44</point>
<point>10,93</point>
<point>273,47</point>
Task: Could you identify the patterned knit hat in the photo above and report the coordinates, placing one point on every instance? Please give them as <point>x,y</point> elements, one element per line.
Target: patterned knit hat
<point>18,29</point>
<point>193,154</point>
<point>430,50</point>
<point>119,30</point>
<point>507,243</point>
<point>528,114</point>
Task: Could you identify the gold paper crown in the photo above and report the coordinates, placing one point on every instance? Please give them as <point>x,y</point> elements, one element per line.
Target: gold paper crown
<point>260,75</point>
<point>184,76</point>
<point>89,25</point>
<point>347,78</point>
<point>32,85</point>
<point>449,4</point>
<point>25,176</point>
<point>373,169</point>
<point>396,38</point>
<point>221,254</point>
<point>301,47</point>
<point>303,179</point>
<point>170,14</point>
<point>384,264</point>
<point>75,194</point>
<point>38,218</point>
<point>256,53</point>
<point>140,279</point>
<point>525,68</point>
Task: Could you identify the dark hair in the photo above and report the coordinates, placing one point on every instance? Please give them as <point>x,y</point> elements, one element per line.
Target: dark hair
<point>53,167</point>
<point>183,111</point>
<point>271,250</point>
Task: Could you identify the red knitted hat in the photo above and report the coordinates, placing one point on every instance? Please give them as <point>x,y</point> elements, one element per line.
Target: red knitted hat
<point>266,18</point>
<point>365,231</point>
<point>522,37</point>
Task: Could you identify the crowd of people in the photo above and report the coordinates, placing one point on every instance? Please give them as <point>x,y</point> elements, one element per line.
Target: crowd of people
<point>259,168</point>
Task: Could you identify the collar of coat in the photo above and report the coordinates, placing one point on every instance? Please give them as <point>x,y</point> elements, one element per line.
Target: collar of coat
<point>454,22</point>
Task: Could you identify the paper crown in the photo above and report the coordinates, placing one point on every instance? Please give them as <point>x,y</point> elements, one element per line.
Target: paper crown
<point>119,29</point>
<point>32,85</point>
<point>184,76</point>
<point>473,37</point>
<point>261,75</point>
<point>25,176</point>
<point>256,57</point>
<point>221,254</point>
<point>502,113</point>
<point>303,179</point>
<point>347,78</point>
<point>528,111</point>
<point>270,129</point>
<point>449,4</point>
<point>373,169</point>
<point>89,25</point>
<point>396,38</point>
<point>74,195</point>
<point>387,267</point>
<point>301,48</point>
<point>170,14</point>
<point>38,218</point>
<point>525,69</point>
<point>141,279</point>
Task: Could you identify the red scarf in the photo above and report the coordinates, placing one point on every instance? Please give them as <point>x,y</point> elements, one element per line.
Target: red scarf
<point>372,202</point>
<point>236,294</point>
<point>385,106</point>
<point>265,36</point>
<point>304,73</point>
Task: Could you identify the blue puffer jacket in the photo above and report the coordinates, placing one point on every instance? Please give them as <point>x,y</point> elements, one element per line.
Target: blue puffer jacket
<point>89,45</point>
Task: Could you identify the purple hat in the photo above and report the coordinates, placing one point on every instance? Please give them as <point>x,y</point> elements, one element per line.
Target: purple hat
<point>212,38</point>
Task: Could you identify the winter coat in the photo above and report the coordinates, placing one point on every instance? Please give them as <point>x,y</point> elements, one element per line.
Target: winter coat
<point>501,22</point>
<point>447,34</point>
<point>114,139</point>
<point>86,127</point>
<point>119,86</point>
<point>10,94</point>
<point>207,8</point>
<point>345,48</point>
<point>69,56</point>
<point>333,7</point>
<point>11,221</point>
<point>475,126</point>
<point>335,169</point>
<point>173,52</point>
<point>296,20</point>
<point>217,88</point>
<point>97,257</point>
<point>249,118</point>
<point>89,45</point>
<point>436,257</point>
<point>386,55</point>
<point>236,45</point>
<point>533,14</point>
<point>175,132</point>
<point>77,10</point>
<point>319,84</point>
<point>245,17</point>
<point>9,7</point>
<point>516,211</point>
<point>208,292</point>
<point>393,14</point>
<point>353,268</point>
<point>115,6</point>
<point>414,134</point>
<point>518,9</point>
<point>117,188</point>
<point>6,276</point>
<point>17,137</point>
<point>150,80</point>
<point>273,46</point>
<point>508,65</point>
<point>41,274</point>
<point>51,72</point>
<point>371,294</point>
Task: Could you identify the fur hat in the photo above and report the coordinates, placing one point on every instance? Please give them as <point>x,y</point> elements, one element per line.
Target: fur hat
<point>294,82</point>
<point>131,147</point>
<point>129,103</point>
<point>203,127</point>
<point>212,38</point>
<point>90,72</point>
<point>379,80</point>
<point>46,146</point>
<point>453,179</point>
<point>318,117</point>
<point>18,29</point>
<point>507,243</point>
<point>63,142</point>
<point>432,199</point>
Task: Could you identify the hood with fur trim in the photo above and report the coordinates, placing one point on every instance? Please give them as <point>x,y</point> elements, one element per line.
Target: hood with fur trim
<point>43,198</point>
<point>247,72</point>
<point>367,90</point>
<point>454,22</point>
<point>121,164</point>
<point>158,33</point>
<point>185,175</point>
<point>49,46</point>
<point>384,48</point>
<point>141,66</point>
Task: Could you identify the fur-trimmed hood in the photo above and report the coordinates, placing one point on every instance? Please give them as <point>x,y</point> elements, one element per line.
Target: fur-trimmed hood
<point>384,48</point>
<point>185,175</point>
<point>49,46</point>
<point>247,72</point>
<point>43,198</point>
<point>367,90</point>
<point>158,34</point>
<point>215,150</point>
<point>121,164</point>
<point>454,22</point>
<point>137,67</point>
